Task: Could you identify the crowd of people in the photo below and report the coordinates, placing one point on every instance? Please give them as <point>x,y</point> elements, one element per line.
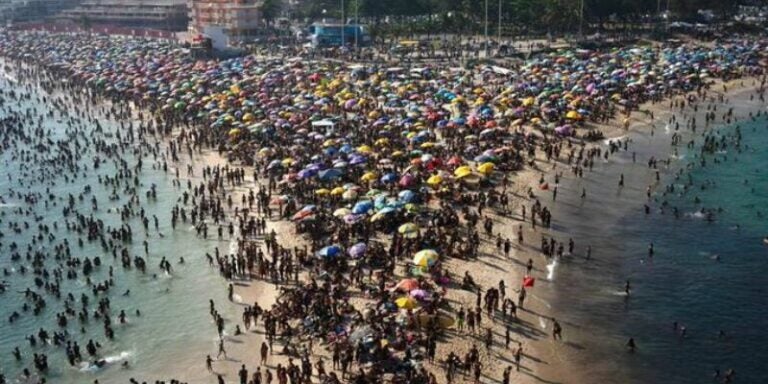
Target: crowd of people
<point>387,173</point>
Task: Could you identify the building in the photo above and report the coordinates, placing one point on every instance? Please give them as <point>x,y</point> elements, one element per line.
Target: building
<point>168,15</point>
<point>225,22</point>
<point>32,10</point>
<point>335,35</point>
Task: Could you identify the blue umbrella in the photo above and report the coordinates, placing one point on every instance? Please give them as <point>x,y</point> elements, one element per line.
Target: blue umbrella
<point>483,158</point>
<point>306,173</point>
<point>355,160</point>
<point>362,207</point>
<point>329,174</point>
<point>329,251</point>
<point>386,210</point>
<point>406,196</point>
<point>389,178</point>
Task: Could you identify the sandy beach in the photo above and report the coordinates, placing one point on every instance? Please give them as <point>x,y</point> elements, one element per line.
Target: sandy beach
<point>544,360</point>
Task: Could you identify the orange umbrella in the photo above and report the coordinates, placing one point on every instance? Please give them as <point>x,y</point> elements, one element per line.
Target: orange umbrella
<point>407,285</point>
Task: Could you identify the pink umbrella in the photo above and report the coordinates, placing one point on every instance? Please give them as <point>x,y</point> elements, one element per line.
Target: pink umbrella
<point>406,180</point>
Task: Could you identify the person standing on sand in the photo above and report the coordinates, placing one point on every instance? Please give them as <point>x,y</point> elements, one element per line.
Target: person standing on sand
<point>478,371</point>
<point>518,355</point>
<point>557,330</point>
<point>505,375</point>
<point>209,363</point>
<point>243,373</point>
<point>264,353</point>
<point>221,349</point>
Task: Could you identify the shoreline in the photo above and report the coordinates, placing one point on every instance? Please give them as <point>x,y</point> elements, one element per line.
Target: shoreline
<point>534,321</point>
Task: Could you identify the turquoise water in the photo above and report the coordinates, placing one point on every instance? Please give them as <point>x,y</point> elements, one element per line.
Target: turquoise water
<point>174,331</point>
<point>706,275</point>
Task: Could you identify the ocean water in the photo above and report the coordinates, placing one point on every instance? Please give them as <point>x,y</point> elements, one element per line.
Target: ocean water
<point>706,275</point>
<point>174,331</point>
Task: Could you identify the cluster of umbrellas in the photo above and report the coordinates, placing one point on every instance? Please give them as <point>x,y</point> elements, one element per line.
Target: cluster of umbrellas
<point>373,143</point>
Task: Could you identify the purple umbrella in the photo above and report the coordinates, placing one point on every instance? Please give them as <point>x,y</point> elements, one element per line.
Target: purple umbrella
<point>358,250</point>
<point>419,294</point>
<point>352,218</point>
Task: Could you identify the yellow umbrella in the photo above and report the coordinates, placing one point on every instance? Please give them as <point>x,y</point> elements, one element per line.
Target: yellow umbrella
<point>435,180</point>
<point>378,216</point>
<point>427,145</point>
<point>368,176</point>
<point>382,142</point>
<point>234,132</point>
<point>337,191</point>
<point>364,149</point>
<point>329,143</point>
<point>409,230</point>
<point>573,115</point>
<point>322,192</point>
<point>341,212</point>
<point>265,151</point>
<point>462,171</point>
<point>425,257</point>
<point>288,161</point>
<point>527,102</point>
<point>397,153</point>
<point>406,302</point>
<point>485,168</point>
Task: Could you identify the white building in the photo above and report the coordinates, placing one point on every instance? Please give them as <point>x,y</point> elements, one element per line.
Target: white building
<point>225,21</point>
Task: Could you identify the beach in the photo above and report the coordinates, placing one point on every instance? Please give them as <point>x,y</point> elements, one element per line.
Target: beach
<point>463,274</point>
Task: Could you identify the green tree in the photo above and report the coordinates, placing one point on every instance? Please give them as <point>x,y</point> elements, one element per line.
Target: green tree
<point>270,9</point>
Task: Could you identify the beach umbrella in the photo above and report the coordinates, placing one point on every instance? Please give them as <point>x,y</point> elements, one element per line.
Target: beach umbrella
<point>389,178</point>
<point>407,285</point>
<point>485,168</point>
<point>300,215</point>
<point>425,257</point>
<point>362,207</point>
<point>406,302</point>
<point>322,191</point>
<point>358,250</point>
<point>329,174</point>
<point>352,218</point>
<point>434,180</point>
<point>338,191</point>
<point>341,212</point>
<point>462,171</point>
<point>409,230</point>
<point>349,194</point>
<point>330,251</point>
<point>368,177</point>
<point>573,115</point>
<point>406,180</point>
<point>406,196</point>
<point>419,294</point>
